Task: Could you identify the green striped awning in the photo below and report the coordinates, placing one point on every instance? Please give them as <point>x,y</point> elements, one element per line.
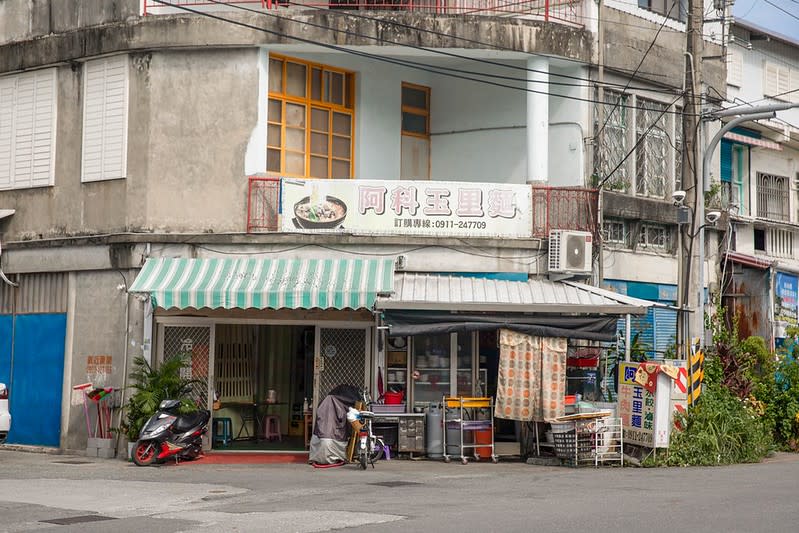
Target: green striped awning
<point>265,283</point>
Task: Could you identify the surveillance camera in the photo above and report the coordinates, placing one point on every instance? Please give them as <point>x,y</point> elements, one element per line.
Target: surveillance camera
<point>712,216</point>
<point>678,197</point>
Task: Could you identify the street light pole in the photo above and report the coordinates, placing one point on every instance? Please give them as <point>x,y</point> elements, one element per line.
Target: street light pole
<point>742,114</point>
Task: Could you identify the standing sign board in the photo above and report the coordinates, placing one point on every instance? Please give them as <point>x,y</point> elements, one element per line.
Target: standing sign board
<point>435,208</point>
<point>648,415</point>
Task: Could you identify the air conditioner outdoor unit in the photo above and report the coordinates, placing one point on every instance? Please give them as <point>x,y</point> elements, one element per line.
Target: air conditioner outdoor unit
<point>570,252</point>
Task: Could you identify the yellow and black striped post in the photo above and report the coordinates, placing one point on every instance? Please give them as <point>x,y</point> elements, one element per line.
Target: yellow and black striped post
<point>696,373</point>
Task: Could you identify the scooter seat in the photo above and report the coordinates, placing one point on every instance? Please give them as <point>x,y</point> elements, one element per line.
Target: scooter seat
<point>191,420</point>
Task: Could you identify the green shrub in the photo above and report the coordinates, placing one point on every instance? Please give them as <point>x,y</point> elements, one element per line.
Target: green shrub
<point>152,386</point>
<point>720,429</point>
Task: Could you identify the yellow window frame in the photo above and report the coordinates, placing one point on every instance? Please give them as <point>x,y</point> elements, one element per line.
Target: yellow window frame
<point>417,110</point>
<point>346,108</point>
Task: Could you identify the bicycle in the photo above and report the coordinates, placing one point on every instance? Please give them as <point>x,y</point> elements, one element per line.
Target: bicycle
<point>371,447</point>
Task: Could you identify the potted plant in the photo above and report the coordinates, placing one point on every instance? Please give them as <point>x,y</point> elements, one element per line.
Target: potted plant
<point>151,386</point>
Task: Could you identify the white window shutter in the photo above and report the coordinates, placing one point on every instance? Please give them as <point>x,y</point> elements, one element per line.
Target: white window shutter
<point>734,67</point>
<point>23,140</point>
<point>42,153</point>
<point>794,96</point>
<point>6,130</point>
<point>27,129</point>
<point>770,79</point>
<point>105,119</point>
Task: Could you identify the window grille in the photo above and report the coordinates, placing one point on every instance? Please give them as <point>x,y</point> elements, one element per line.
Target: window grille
<point>650,155</point>
<point>653,236</point>
<point>615,232</point>
<point>772,197</point>
<point>780,243</point>
<point>611,147</point>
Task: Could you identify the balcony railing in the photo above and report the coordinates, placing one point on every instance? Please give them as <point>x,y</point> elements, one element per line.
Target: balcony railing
<point>570,208</point>
<point>263,204</point>
<point>563,11</point>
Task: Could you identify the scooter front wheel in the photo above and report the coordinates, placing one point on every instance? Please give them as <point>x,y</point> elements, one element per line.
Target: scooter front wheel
<point>144,453</point>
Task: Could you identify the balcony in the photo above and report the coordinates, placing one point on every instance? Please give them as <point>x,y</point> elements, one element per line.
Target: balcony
<point>570,208</point>
<point>560,11</point>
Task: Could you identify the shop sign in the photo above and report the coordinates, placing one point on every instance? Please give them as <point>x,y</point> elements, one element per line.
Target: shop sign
<point>434,208</point>
<point>648,415</point>
<point>785,299</point>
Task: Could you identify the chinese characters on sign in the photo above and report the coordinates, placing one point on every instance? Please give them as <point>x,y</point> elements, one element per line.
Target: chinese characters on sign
<point>785,296</point>
<point>647,417</point>
<point>636,407</point>
<point>407,207</point>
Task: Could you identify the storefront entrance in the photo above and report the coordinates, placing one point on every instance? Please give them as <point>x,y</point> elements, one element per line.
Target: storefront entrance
<point>263,380</point>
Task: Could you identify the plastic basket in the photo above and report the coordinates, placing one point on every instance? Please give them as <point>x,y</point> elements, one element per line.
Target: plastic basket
<point>575,445</point>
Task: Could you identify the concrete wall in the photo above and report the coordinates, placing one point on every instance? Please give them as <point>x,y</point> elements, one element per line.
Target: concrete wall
<point>98,328</point>
<point>629,31</point>
<point>25,19</point>
<point>202,108</point>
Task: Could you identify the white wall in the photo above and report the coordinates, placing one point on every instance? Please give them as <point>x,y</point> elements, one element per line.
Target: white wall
<point>639,266</point>
<point>477,130</point>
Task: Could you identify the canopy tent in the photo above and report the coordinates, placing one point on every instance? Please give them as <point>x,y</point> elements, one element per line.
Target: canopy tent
<point>245,283</point>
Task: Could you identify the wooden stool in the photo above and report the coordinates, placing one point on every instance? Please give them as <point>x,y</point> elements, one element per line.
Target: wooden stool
<point>272,428</point>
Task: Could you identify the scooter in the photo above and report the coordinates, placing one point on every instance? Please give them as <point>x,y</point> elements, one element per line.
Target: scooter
<point>169,434</point>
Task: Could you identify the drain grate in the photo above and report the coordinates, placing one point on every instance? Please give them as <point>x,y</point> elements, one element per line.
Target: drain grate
<point>394,483</point>
<point>77,519</point>
<point>72,462</point>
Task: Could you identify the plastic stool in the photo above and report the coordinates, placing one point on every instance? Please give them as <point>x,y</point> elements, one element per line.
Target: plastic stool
<point>227,430</point>
<point>272,428</point>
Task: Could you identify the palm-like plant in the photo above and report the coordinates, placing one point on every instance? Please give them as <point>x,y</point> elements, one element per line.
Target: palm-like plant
<point>152,386</point>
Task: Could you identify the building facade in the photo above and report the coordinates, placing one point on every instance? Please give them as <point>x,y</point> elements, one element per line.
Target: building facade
<point>758,177</point>
<point>172,133</point>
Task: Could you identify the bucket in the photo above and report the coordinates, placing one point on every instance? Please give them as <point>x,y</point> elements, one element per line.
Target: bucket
<point>483,436</point>
<point>393,398</point>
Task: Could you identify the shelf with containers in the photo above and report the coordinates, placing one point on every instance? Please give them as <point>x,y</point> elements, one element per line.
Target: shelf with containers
<point>437,359</point>
<point>397,366</point>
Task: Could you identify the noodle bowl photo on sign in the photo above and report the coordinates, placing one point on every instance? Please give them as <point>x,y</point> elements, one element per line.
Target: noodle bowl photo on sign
<point>326,214</point>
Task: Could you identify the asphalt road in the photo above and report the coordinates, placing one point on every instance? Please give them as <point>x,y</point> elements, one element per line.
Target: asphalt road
<point>397,496</point>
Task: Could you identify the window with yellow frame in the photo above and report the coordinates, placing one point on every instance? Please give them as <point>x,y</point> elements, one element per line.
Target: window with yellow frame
<point>415,110</point>
<point>310,119</point>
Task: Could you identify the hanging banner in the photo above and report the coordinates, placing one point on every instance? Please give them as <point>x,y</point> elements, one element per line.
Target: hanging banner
<point>436,208</point>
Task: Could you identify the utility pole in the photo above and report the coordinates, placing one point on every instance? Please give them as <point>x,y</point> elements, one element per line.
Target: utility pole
<point>691,282</point>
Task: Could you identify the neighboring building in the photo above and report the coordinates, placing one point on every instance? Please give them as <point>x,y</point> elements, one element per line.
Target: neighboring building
<point>145,142</point>
<point>759,174</point>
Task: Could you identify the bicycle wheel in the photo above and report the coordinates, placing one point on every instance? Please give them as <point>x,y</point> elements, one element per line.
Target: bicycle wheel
<point>376,453</point>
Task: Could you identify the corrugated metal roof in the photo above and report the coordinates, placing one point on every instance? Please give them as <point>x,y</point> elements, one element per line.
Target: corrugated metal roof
<point>538,295</point>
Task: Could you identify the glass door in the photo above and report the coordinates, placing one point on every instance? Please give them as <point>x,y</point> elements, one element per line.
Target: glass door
<point>431,364</point>
<point>465,368</point>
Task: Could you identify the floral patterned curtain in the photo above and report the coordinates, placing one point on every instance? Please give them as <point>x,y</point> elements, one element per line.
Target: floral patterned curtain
<point>532,377</point>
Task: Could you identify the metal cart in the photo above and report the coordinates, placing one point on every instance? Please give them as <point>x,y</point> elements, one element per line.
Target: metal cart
<point>464,412</point>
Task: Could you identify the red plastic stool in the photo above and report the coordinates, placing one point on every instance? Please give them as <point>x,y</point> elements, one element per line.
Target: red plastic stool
<point>272,428</point>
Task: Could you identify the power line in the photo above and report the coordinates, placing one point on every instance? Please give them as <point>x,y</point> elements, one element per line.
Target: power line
<point>637,143</point>
<point>591,83</point>
<point>405,63</point>
<point>772,4</point>
<point>616,103</point>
